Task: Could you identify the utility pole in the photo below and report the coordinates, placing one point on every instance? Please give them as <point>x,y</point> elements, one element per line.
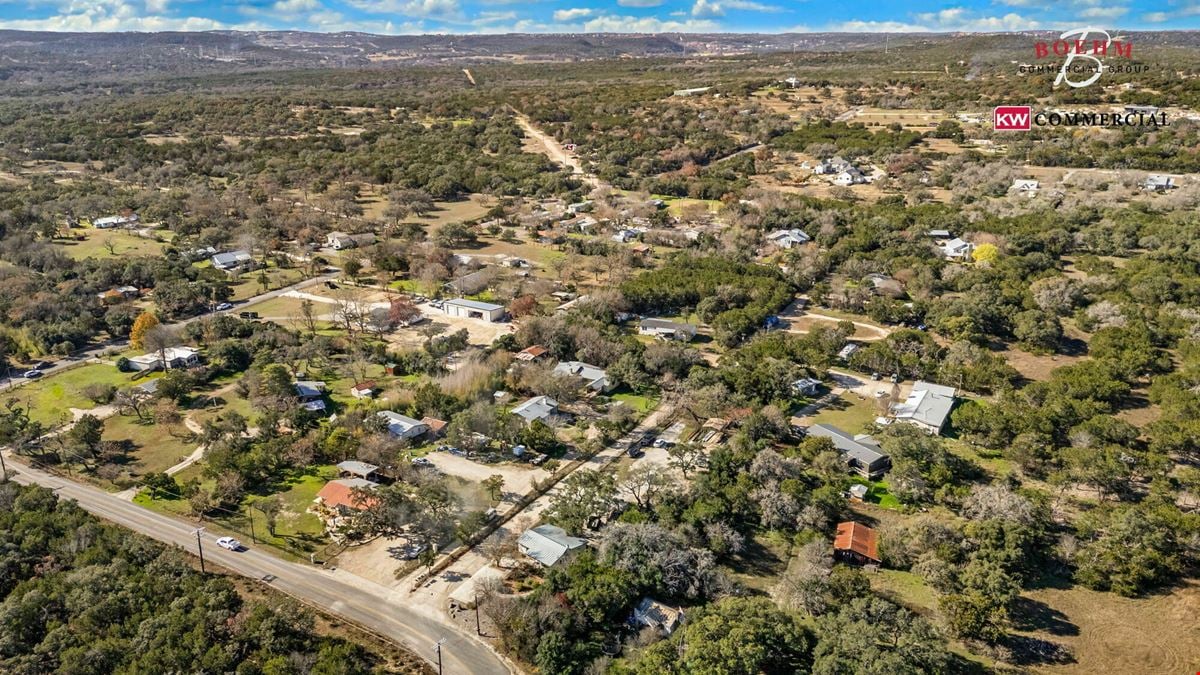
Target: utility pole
<point>200,547</point>
<point>438,646</point>
<point>478,631</point>
<point>250,513</point>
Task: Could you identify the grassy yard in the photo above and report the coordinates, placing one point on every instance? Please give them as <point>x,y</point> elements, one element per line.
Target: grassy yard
<point>95,245</point>
<point>51,398</point>
<point>156,448</point>
<point>638,402</point>
<point>296,530</point>
<point>847,413</point>
<point>248,285</point>
<point>879,494</point>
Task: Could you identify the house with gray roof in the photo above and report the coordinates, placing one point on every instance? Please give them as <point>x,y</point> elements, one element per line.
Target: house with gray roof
<point>927,406</point>
<point>595,379</point>
<point>547,544</point>
<point>539,408</point>
<point>402,426</point>
<point>667,330</point>
<point>861,453</point>
<point>473,309</point>
<point>233,261</point>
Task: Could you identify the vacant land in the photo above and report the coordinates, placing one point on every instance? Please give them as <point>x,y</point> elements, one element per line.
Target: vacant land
<point>50,400</point>
<point>92,243</point>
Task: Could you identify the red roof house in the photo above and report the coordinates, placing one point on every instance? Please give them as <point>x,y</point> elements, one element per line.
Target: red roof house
<point>856,543</point>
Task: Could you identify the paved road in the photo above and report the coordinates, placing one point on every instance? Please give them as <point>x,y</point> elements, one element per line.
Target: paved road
<point>361,603</point>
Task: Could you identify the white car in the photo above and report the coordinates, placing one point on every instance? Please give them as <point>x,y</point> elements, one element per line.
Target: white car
<point>229,543</point>
<point>224,306</point>
<point>32,374</point>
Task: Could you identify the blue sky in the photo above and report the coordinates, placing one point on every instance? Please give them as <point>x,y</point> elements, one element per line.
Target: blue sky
<point>642,16</point>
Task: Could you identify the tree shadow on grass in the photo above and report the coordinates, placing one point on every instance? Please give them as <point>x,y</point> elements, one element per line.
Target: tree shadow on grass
<point>1033,615</point>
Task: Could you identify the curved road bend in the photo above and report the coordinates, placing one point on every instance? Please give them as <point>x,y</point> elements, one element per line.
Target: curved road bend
<point>365,604</point>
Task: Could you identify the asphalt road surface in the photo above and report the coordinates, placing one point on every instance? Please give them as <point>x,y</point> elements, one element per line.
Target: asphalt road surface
<point>460,654</point>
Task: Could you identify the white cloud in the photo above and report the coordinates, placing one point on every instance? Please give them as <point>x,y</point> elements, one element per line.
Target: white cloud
<point>1103,12</point>
<point>1156,17</point>
<point>114,15</point>
<point>572,14</point>
<point>877,27</point>
<point>293,6</point>
<point>648,24</point>
<point>413,8</point>
<point>486,18</point>
<point>719,7</point>
<point>640,3</point>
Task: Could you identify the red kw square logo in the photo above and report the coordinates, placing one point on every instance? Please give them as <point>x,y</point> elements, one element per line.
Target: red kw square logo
<point>1012,118</point>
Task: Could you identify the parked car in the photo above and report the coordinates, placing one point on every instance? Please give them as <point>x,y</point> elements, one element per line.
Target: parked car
<point>229,543</point>
<point>224,306</point>
<point>421,461</point>
<point>32,374</point>
<point>635,452</point>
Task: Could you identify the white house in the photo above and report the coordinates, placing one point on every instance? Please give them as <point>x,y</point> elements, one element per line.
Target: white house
<point>788,238</point>
<point>1024,185</point>
<point>403,426</point>
<point>593,378</point>
<point>848,177</point>
<point>174,357</point>
<point>848,350</point>
<point>547,544</point>
<point>233,261</point>
<point>928,406</point>
<point>473,309</point>
<point>339,241</point>
<point>109,222</point>
<point>957,249</point>
<point>1158,183</point>
<point>667,330</point>
<point>539,408</point>
<point>691,92</point>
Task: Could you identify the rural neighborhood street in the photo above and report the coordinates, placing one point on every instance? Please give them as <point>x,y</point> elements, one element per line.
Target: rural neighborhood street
<point>379,609</point>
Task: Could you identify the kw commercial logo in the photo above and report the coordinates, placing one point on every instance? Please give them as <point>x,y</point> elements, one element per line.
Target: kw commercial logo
<point>1012,118</point>
<point>1022,118</point>
<point>1084,50</point>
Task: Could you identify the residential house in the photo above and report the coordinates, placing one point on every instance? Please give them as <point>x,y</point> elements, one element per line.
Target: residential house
<point>788,238</point>
<point>403,426</point>
<point>171,357</point>
<point>473,309</point>
<point>806,386</point>
<point>233,261</point>
<point>858,492</point>
<point>341,499</point>
<point>928,406</point>
<point>595,379</point>
<point>474,282</point>
<point>939,234</point>
<point>1159,183</point>
<point>957,249</point>
<point>694,91</point>
<point>109,222</point>
<point>579,207</point>
<point>625,236</point>
<point>848,350</point>
<point>650,613</point>
<point>1024,185</point>
<point>886,285</point>
<point>667,330</point>
<point>849,176</point>
<point>537,409</point>
<point>547,544</point>
<point>437,427</point>
<point>861,453</point>
<point>311,394</point>
<point>340,241</point>
<point>532,353</point>
<point>357,469</point>
<point>856,543</point>
<point>363,389</point>
<point>118,293</point>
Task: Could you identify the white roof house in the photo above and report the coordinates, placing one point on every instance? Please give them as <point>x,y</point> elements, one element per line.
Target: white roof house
<point>311,394</point>
<point>653,614</point>
<point>174,357</point>
<point>957,249</point>
<point>593,378</point>
<point>402,426</point>
<point>1158,182</point>
<point>340,240</point>
<point>1024,185</point>
<point>928,406</point>
<point>848,350</point>
<point>806,386</point>
<point>669,330</point>
<point>850,176</point>
<point>109,222</point>
<point>232,260</point>
<point>788,238</point>
<point>547,544</point>
<point>539,408</point>
<point>473,309</point>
